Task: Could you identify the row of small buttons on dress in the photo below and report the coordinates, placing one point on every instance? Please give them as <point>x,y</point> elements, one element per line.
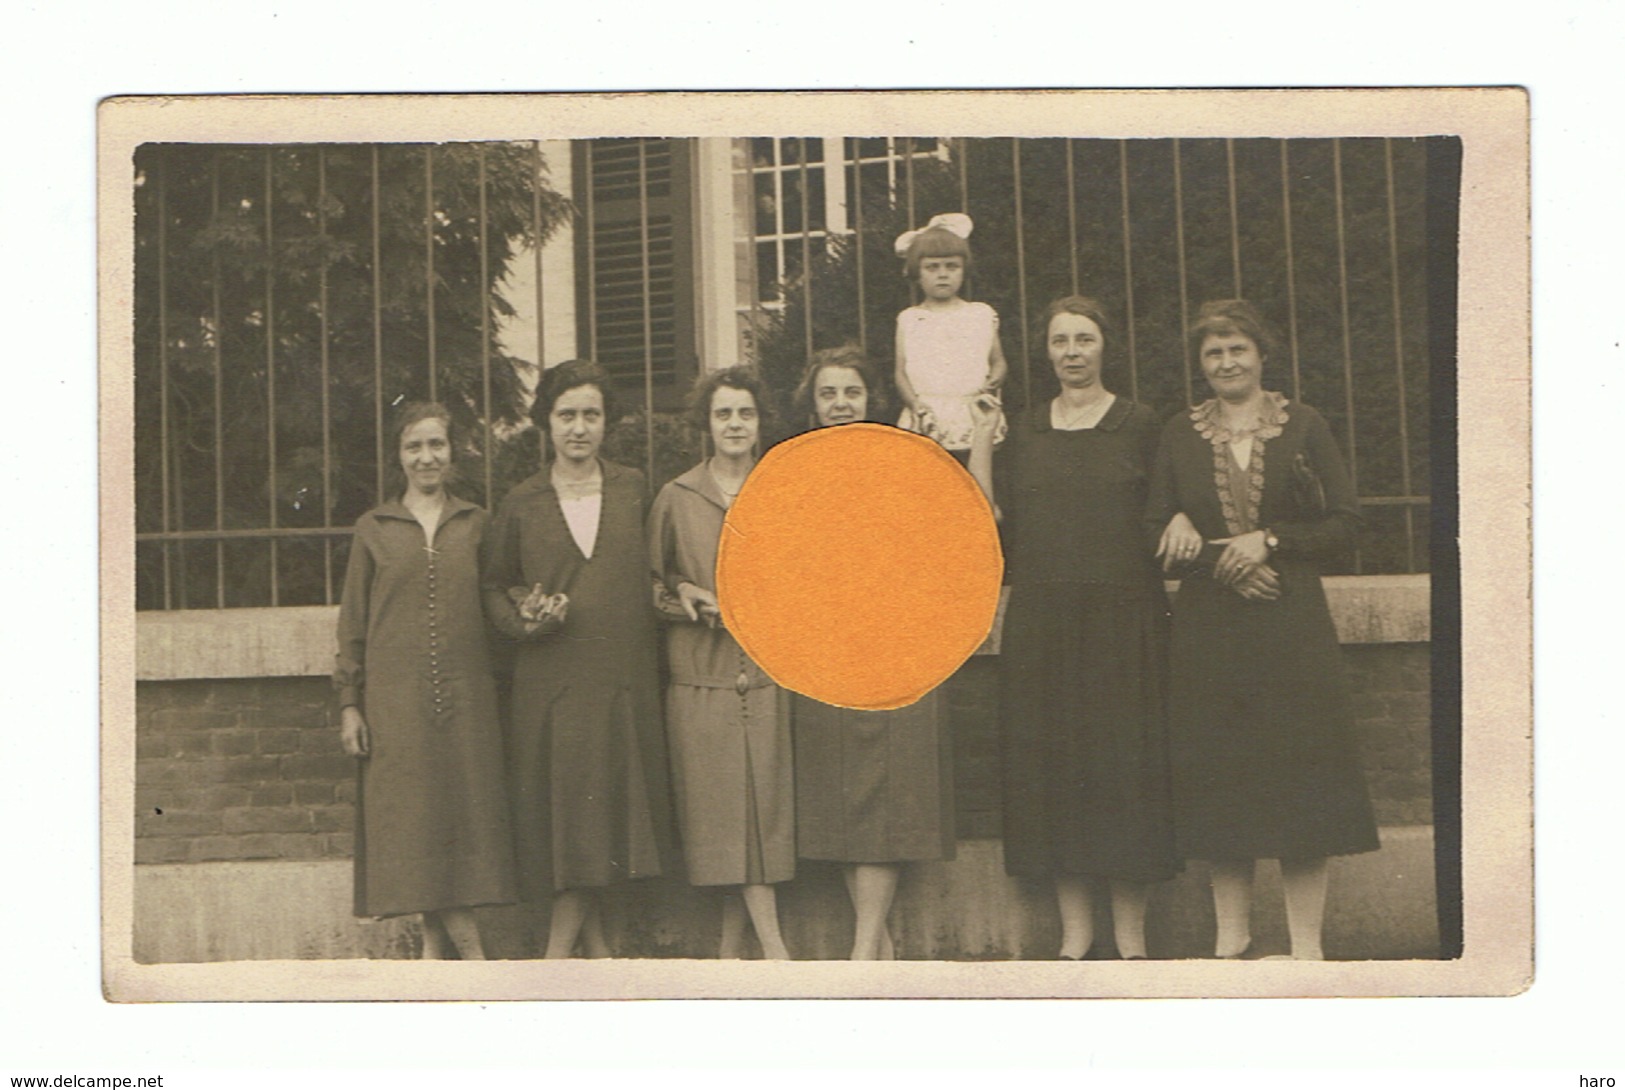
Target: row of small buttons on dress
<point>434,642</point>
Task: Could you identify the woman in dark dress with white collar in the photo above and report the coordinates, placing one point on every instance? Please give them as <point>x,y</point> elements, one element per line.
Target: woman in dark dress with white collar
<point>568,583</point>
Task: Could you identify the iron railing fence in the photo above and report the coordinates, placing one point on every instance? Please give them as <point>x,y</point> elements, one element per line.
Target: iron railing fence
<point>288,297</point>
<point>1329,237</point>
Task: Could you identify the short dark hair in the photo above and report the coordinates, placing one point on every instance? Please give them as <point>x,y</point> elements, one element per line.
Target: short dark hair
<point>415,412</point>
<point>561,378</point>
<point>845,355</point>
<point>1084,307</point>
<point>934,242</point>
<point>734,378</point>
<point>1228,317</point>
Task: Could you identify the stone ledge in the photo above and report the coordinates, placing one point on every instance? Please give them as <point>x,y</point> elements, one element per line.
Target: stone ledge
<point>1381,906</point>
<point>297,641</point>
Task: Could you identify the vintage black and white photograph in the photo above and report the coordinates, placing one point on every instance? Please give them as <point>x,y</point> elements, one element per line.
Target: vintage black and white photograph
<point>431,415</point>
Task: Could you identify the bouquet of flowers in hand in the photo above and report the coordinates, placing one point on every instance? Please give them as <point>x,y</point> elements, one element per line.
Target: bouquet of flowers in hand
<point>539,609</point>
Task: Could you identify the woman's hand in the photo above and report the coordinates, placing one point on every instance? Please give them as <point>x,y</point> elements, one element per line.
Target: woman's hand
<point>984,418</point>
<point>925,420</point>
<point>699,603</point>
<point>984,415</point>
<point>1241,555</point>
<point>1180,542</point>
<point>1261,584</point>
<point>353,732</point>
<point>543,612</point>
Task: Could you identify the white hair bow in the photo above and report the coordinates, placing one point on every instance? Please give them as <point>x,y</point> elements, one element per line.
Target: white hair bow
<point>953,222</point>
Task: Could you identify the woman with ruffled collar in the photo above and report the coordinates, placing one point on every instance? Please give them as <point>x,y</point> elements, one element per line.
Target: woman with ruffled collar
<point>1249,497</point>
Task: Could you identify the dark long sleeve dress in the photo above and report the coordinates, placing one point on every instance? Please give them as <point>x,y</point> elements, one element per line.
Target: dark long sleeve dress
<point>586,747</point>
<point>432,815</point>
<point>1083,737</point>
<point>1264,757</point>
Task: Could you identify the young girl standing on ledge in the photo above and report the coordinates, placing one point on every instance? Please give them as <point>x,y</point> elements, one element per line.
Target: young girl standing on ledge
<point>948,349</point>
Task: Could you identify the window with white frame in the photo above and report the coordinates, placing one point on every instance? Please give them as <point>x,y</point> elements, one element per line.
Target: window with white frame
<point>790,201</point>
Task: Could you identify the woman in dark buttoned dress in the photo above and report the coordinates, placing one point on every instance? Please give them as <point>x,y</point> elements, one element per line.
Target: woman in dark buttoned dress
<point>586,748</point>
<point>1248,498</point>
<point>1083,655</point>
<point>417,703</point>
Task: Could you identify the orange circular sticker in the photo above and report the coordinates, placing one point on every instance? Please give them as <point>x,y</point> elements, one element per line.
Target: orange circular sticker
<point>859,565</point>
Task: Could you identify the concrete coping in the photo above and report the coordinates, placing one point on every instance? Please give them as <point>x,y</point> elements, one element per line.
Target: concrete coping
<point>297,641</point>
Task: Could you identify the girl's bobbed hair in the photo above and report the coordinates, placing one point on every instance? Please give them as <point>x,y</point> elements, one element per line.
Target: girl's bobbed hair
<point>1227,318</point>
<point>846,355</point>
<point>934,242</point>
<point>560,379</point>
<point>415,412</point>
<point>733,378</point>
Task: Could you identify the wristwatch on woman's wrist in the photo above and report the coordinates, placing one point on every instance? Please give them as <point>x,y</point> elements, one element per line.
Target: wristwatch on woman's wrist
<point>1271,542</point>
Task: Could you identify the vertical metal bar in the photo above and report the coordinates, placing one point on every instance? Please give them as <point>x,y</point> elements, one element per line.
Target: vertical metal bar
<point>1071,213</point>
<point>1128,271</point>
<point>428,263</point>
<point>1021,271</point>
<point>964,200</point>
<point>908,181</point>
<point>648,314</point>
<point>806,253</point>
<point>757,320</point>
<point>780,266</point>
<point>963,155</point>
<point>1399,358</point>
<point>327,393</point>
<point>592,253</point>
<point>161,168</point>
<point>219,391</point>
<point>377,335</point>
<point>485,328</point>
<point>857,205</point>
<point>1291,275</point>
<point>1184,299</point>
<point>536,231</point>
<point>1235,223</point>
<point>270,366</point>
<point>1348,348</point>
<point>183,578</point>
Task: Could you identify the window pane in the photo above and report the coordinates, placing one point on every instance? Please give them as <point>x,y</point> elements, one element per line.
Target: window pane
<point>767,206</point>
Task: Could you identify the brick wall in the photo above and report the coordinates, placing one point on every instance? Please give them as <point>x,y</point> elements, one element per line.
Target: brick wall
<point>1392,686</point>
<point>240,769</point>
<point>251,769</point>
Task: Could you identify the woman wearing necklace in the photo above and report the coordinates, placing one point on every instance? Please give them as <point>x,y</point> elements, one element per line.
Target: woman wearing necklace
<point>567,582</point>
<point>417,704</point>
<point>726,721</point>
<point>1248,497</point>
<point>1083,741</point>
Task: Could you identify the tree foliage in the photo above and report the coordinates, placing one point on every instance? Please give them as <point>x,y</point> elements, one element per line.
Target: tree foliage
<point>258,268</point>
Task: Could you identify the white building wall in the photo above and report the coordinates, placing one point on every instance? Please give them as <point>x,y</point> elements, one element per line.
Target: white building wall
<point>553,339</point>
